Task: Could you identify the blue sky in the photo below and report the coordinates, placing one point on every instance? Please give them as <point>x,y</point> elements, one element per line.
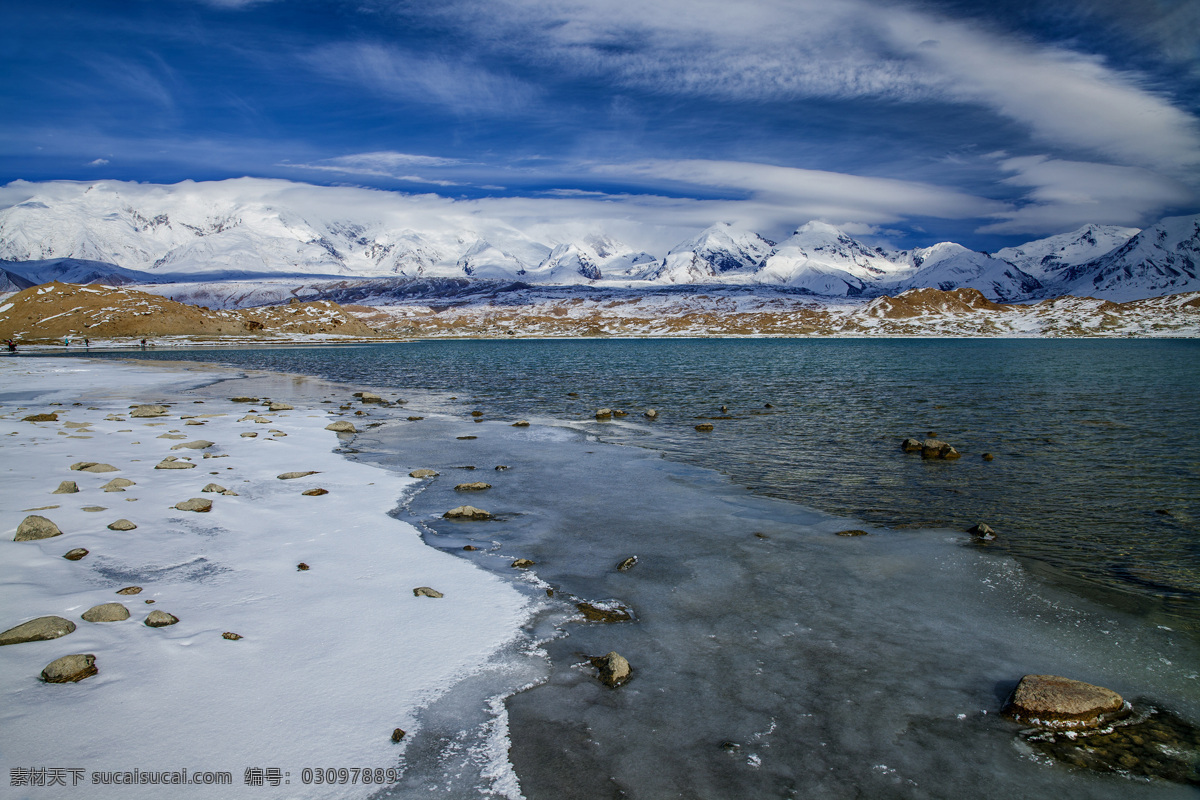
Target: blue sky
<point>987,123</point>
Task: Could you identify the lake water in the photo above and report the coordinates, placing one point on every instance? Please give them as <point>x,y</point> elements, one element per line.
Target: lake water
<point>773,658</point>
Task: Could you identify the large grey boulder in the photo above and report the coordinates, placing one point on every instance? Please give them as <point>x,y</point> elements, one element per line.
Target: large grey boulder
<point>160,619</point>
<point>37,630</point>
<point>66,487</point>
<point>35,527</point>
<point>199,444</point>
<point>174,462</point>
<point>195,504</point>
<point>614,669</point>
<point>106,612</point>
<point>1057,703</point>
<point>92,466</point>
<point>467,512</point>
<point>70,669</point>
<point>341,426</point>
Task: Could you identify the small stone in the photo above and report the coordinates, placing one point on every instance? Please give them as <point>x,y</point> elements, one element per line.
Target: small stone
<point>130,590</point>
<point>466,437</point>
<point>476,413</point>
<point>470,548</point>
<point>604,413</point>
<point>231,636</point>
<point>171,436</point>
<point>214,487</point>
<point>199,444</point>
<point>41,418</point>
<point>288,476</point>
<point>70,669</point>
<point>276,405</point>
<point>341,426</point>
<point>118,485</point>
<point>198,504</point>
<point>1057,703</point>
<point>423,473</point>
<point>229,493</point>
<point>627,564</point>
<point>76,554</point>
<point>425,591</point>
<point>910,445</point>
<point>243,399</point>
<point>521,423</point>
<point>982,531</point>
<point>522,563</point>
<point>66,487</point>
<point>398,734</point>
<point>466,512</point>
<point>595,613</point>
<point>315,492</point>
<point>619,413</point>
<point>94,509</point>
<point>148,602</point>
<point>650,413</point>
<point>704,426</point>
<point>122,525</point>
<point>302,567</point>
<point>149,411</point>
<point>36,527</point>
<point>171,462</point>
<point>106,612</point>
<point>477,486</point>
<point>160,619</point>
<point>614,669</point>
<point>37,630</point>
<point>248,434</point>
<point>92,466</point>
<point>852,532</point>
<point>936,448</point>
<point>988,457</point>
<point>415,419</point>
<point>369,397</point>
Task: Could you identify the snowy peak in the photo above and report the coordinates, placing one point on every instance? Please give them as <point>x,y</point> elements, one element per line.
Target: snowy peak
<point>1163,259</point>
<point>719,253</point>
<point>1047,257</point>
<point>947,266</point>
<point>825,260</point>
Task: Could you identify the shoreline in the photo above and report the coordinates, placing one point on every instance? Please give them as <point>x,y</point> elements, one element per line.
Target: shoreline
<point>331,659</point>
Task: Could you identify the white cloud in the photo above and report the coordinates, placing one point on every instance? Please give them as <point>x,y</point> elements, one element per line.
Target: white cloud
<point>389,71</point>
<point>804,194</point>
<point>383,164</point>
<point>99,162</point>
<point>778,50</point>
<point>1064,195</point>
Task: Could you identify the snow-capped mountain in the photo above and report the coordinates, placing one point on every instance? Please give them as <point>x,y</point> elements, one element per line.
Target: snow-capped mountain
<point>949,266</point>
<point>1046,258</point>
<point>824,260</point>
<point>1163,259</point>
<point>75,270</point>
<point>719,253</point>
<point>253,229</point>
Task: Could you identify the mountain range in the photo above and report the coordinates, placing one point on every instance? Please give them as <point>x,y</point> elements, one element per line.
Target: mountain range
<point>120,233</point>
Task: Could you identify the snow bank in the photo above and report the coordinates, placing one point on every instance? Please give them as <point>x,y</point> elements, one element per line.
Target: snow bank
<point>332,659</point>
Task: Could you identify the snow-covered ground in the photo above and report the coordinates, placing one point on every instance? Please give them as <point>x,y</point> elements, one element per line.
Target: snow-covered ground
<point>332,659</point>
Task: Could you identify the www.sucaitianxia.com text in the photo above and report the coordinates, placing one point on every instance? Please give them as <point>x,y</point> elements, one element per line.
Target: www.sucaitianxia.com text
<point>252,776</point>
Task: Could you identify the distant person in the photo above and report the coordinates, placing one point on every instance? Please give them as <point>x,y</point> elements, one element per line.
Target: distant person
<point>66,342</point>
<point>87,342</point>
<point>12,346</point>
<point>143,344</point>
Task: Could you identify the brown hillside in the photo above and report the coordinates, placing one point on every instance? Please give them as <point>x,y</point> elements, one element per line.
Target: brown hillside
<point>55,310</point>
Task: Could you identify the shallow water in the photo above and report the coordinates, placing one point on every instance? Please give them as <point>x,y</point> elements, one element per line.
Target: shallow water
<point>773,658</point>
<point>1096,470</point>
